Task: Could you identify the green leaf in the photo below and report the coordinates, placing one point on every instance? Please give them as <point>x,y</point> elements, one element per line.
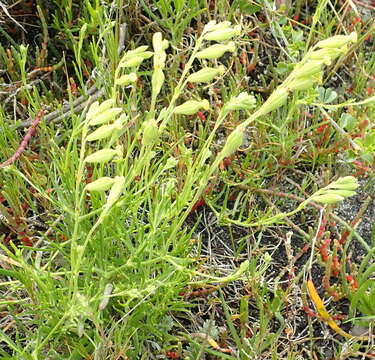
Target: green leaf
<point>326,96</point>
<point>347,122</point>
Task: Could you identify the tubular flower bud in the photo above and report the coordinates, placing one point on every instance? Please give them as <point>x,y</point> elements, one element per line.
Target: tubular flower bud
<point>212,26</point>
<point>150,133</point>
<point>96,109</point>
<point>106,104</point>
<point>345,183</point>
<point>101,156</point>
<point>191,107</point>
<point>105,117</point>
<point>338,41</point>
<point>100,185</point>
<point>308,69</point>
<point>223,34</point>
<point>116,190</point>
<point>126,79</point>
<point>157,42</point>
<point>330,53</point>
<point>243,101</point>
<point>206,75</point>
<point>92,110</point>
<point>344,193</point>
<point>328,198</point>
<point>215,51</point>
<point>157,81</point>
<point>102,132</point>
<point>134,52</point>
<point>132,62</point>
<point>159,60</point>
<point>234,141</point>
<point>277,99</point>
<point>300,84</point>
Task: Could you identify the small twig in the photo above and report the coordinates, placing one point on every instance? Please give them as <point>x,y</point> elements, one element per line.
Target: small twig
<point>30,133</point>
<point>67,109</point>
<point>312,204</point>
<point>6,12</point>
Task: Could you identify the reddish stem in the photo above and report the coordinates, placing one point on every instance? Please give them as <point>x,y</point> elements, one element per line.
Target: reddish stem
<point>30,133</point>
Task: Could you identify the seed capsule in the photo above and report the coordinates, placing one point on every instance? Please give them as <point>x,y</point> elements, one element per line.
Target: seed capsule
<point>100,185</point>
<point>101,156</point>
<point>191,107</point>
<point>206,75</point>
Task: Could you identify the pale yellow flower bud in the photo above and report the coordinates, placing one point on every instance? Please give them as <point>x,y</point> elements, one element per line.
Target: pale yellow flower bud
<point>102,132</point>
<point>96,109</point>
<point>212,26</point>
<point>277,99</point>
<point>328,198</point>
<point>346,182</point>
<point>135,52</point>
<point>132,62</point>
<point>206,75</point>
<point>100,185</point>
<point>338,41</point>
<point>191,107</point>
<point>150,133</point>
<point>223,34</point>
<point>101,156</point>
<point>157,81</point>
<point>216,51</point>
<point>325,53</point>
<point>308,69</point>
<point>105,116</point>
<point>157,42</point>
<point>92,110</point>
<point>234,141</point>
<point>341,192</point>
<point>106,104</point>
<point>301,84</point>
<point>243,101</point>
<point>126,79</point>
<point>116,190</point>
